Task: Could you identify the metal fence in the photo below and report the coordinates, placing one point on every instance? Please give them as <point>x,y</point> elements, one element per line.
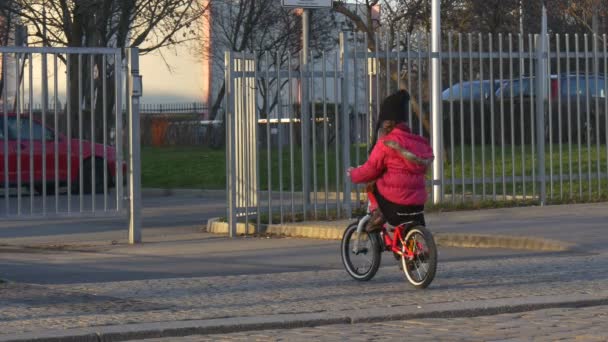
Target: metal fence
<point>174,108</point>
<point>69,160</point>
<point>308,123</point>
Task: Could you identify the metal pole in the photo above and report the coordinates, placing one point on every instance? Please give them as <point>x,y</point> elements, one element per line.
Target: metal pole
<point>306,162</point>
<point>133,95</point>
<point>540,105</point>
<point>437,116</point>
<point>345,124</point>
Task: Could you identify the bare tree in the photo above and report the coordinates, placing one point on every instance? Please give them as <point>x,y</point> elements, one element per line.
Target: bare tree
<point>147,24</point>
<point>267,31</point>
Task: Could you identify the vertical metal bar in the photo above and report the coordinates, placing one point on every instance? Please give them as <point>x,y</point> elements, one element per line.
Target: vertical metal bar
<point>420,100</point>
<point>569,115</point>
<point>522,67</point>
<point>388,64</point>
<point>512,119</point>
<point>451,100</point>
<point>549,114</point>
<point>482,113</point>
<point>337,133</point>
<point>606,97</point>
<point>541,98</point>
<point>69,129</point>
<point>230,116</point>
<point>472,110</point>
<point>304,135</point>
<point>31,126</point>
<point>532,114</point>
<point>313,112</point>
<point>246,167</point>
<point>461,96</point>
<point>268,141</point>
<point>92,110</point>
<point>18,96</point>
<point>356,108</point>
<point>588,114</point>
<point>80,137</point>
<point>346,142</point>
<point>291,134</point>
<point>597,94</point>
<point>5,142</point>
<point>56,128</point>
<point>43,137</point>
<point>492,135</point>
<point>409,76</point>
<point>257,147</point>
<point>377,72</point>
<point>502,120</point>
<point>325,158</point>
<point>134,150</point>
<point>104,119</point>
<point>578,118</point>
<point>280,139</point>
<point>118,64</point>
<point>559,116</point>
<point>368,97</point>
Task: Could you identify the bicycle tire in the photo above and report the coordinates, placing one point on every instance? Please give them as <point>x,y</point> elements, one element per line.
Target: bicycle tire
<point>374,251</point>
<point>429,257</point>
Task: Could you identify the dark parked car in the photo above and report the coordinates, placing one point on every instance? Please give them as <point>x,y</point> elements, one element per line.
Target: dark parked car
<point>576,104</point>
<point>469,89</point>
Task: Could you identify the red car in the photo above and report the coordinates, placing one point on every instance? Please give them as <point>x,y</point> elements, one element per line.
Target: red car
<point>46,136</point>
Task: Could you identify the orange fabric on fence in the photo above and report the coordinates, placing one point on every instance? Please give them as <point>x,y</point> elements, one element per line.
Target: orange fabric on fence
<point>159,128</point>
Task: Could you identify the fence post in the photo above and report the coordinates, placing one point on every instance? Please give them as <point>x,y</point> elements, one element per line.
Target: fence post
<point>541,95</point>
<point>134,92</point>
<point>345,124</point>
<point>230,148</point>
<point>437,106</point>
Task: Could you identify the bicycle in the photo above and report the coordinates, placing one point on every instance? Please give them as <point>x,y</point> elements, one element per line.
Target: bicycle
<point>410,242</point>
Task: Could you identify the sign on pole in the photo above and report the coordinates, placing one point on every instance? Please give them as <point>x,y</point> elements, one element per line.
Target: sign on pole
<point>307,3</point>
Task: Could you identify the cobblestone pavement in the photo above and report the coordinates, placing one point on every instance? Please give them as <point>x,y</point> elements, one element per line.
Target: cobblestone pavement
<point>582,324</point>
<point>31,308</point>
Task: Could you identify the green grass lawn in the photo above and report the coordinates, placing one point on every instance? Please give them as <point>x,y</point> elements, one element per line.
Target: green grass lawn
<point>204,168</point>
<point>183,167</point>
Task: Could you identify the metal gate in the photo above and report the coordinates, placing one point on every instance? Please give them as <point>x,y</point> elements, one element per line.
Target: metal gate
<point>67,147</point>
<point>523,118</point>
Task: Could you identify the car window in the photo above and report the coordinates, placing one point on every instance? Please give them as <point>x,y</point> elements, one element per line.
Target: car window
<point>599,89</point>
<point>24,131</point>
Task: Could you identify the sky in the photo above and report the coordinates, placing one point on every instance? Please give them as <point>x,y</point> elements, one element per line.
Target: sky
<point>173,77</point>
<point>181,83</point>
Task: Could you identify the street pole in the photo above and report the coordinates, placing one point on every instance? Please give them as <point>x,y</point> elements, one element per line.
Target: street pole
<point>436,107</point>
<point>541,95</point>
<point>306,158</point>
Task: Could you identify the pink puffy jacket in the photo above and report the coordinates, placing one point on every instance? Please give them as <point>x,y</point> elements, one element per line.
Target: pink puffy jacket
<point>398,164</point>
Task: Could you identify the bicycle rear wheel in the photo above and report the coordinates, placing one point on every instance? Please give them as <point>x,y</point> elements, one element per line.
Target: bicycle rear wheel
<point>360,253</point>
<point>420,271</point>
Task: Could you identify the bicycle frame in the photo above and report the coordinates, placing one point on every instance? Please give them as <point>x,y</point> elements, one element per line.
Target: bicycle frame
<point>390,243</point>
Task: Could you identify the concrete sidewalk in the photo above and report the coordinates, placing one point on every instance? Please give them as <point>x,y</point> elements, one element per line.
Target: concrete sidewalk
<point>491,228</point>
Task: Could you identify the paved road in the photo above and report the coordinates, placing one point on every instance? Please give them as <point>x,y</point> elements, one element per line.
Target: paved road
<point>481,284</point>
<point>92,250</point>
<point>581,324</point>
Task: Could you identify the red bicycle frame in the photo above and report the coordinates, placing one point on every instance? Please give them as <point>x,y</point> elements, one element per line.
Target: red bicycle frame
<point>395,244</point>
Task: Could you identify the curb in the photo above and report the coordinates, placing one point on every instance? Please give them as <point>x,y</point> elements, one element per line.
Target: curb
<point>289,321</point>
<point>333,231</point>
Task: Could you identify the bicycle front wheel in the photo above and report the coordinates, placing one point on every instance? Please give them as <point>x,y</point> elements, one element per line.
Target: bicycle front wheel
<point>420,270</point>
<point>360,253</point>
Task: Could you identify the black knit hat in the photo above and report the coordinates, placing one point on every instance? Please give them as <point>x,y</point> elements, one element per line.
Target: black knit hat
<point>395,107</point>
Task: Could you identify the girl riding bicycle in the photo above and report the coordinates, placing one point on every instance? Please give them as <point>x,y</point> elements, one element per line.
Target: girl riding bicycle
<point>397,164</point>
